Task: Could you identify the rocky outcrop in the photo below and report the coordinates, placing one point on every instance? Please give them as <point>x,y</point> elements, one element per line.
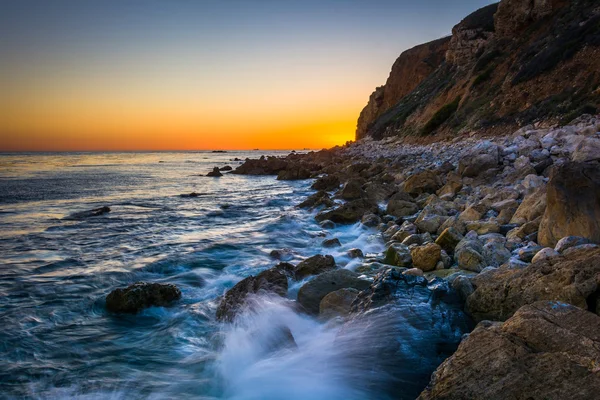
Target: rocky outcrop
<point>547,350</point>
<point>573,204</point>
<point>271,281</point>
<point>140,295</point>
<point>408,71</point>
<point>514,15</point>
<point>216,172</point>
<point>572,279</point>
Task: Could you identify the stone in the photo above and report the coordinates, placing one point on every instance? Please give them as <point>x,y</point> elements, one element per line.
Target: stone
<point>327,183</point>
<point>320,198</point>
<point>398,254</point>
<point>573,204</point>
<point>430,220</point>
<point>215,172</point>
<point>482,157</point>
<point>544,254</point>
<point>417,239</point>
<point>532,207</point>
<point>570,241</point>
<point>448,239</point>
<point>426,257</point>
<point>495,253</point>
<point>527,253</point>
<point>87,214</point>
<point>271,281</point>
<point>352,190</point>
<point>423,182</point>
<point>225,168</point>
<point>469,255</point>
<point>314,265</point>
<point>587,150</point>
<point>262,166</point>
<point>370,220</point>
<point>462,285</point>
<point>547,350</point>
<point>335,242</point>
<point>413,272</point>
<point>312,292</point>
<point>337,303</point>
<point>483,227</point>
<point>572,279</point>
<point>355,253</point>
<point>401,208</point>
<point>348,213</point>
<point>327,224</point>
<point>282,254</point>
<point>294,172</point>
<point>140,295</point>
<point>452,187</point>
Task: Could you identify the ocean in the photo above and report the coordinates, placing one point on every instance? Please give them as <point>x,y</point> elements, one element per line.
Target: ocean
<point>57,340</point>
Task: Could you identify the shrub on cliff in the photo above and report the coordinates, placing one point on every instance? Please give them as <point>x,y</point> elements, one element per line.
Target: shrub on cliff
<point>441,116</point>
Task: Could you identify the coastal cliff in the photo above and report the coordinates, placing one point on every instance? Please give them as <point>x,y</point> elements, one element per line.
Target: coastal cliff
<point>505,65</point>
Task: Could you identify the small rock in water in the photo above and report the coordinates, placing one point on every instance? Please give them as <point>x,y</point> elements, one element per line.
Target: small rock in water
<point>90,213</point>
<point>215,172</point>
<point>282,254</point>
<point>225,168</point>
<point>314,265</point>
<point>141,295</point>
<point>335,242</point>
<point>355,253</point>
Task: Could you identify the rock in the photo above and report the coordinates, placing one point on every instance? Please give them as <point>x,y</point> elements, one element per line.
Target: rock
<point>327,224</point>
<point>262,166</point>
<point>527,253</point>
<point>469,255</point>
<point>327,182</point>
<point>348,213</point>
<point>312,292</point>
<point>286,268</point>
<point>547,350</point>
<point>406,229</point>
<point>426,257</point>
<point>355,253</point>
<point>483,227</point>
<point>314,265</point>
<point>471,213</point>
<point>572,279</point>
<point>335,242</point>
<point>413,272</point>
<point>570,241</point>
<point>90,213</point>
<point>532,207</point>
<point>337,303</point>
<point>370,220</point>
<point>401,205</point>
<point>352,190</point>
<point>463,287</point>
<point>573,204</point>
<point>215,172</point>
<point>225,168</point>
<point>294,172</point>
<point>193,195</point>
<point>587,150</point>
<point>417,239</point>
<point>140,295</point>
<point>398,254</point>
<point>271,281</point>
<point>422,182</point>
<point>505,204</point>
<point>544,254</point>
<point>321,198</point>
<point>495,254</point>
<point>480,158</point>
<point>430,220</point>
<point>448,239</point>
<point>452,187</point>
<point>282,254</point>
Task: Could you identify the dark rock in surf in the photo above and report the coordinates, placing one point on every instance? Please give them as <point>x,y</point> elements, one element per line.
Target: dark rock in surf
<point>90,213</point>
<point>311,294</point>
<point>335,242</point>
<point>327,182</point>
<point>142,295</point>
<point>271,281</point>
<point>225,168</point>
<point>314,265</point>
<point>321,198</point>
<point>215,172</point>
<point>348,213</point>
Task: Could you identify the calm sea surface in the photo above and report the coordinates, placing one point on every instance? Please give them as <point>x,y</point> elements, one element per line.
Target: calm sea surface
<point>58,341</point>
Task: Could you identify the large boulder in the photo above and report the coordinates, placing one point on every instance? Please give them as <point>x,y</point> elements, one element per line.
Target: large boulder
<point>398,254</point>
<point>262,166</point>
<point>426,257</point>
<point>547,350</point>
<point>271,281</point>
<point>140,295</point>
<point>353,190</point>
<point>573,204</point>
<point>312,292</point>
<point>449,238</point>
<point>348,213</point>
<point>327,182</point>
<point>572,279</point>
<point>587,150</point>
<point>314,265</point>
<point>469,254</point>
<point>294,172</point>
<point>423,182</point>
<point>532,207</point>
<point>337,303</point>
<point>321,198</point>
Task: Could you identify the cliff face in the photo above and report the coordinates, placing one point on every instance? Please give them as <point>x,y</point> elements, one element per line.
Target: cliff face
<point>408,71</point>
<point>507,64</point>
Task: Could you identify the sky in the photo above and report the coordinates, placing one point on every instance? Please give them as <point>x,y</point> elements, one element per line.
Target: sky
<point>101,75</point>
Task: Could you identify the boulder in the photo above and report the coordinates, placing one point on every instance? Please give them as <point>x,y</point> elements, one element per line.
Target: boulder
<point>462,285</point>
<point>572,279</point>
<point>140,295</point>
<point>426,257</point>
<point>398,254</point>
<point>87,214</point>
<point>321,198</point>
<point>262,166</point>
<point>271,281</point>
<point>431,218</point>
<point>479,159</point>
<point>327,182</point>
<point>225,168</point>
<point>570,241</point>
<point>573,204</point>
<point>532,207</point>
<point>544,254</point>
<point>215,172</point>
<point>312,292</point>
<point>337,303</point>
<point>448,239</point>
<point>401,208</point>
<point>352,190</point>
<point>294,172</point>
<point>423,182</point>
<point>587,150</point>
<point>469,255</point>
<point>452,187</point>
<point>495,253</point>
<point>413,272</point>
<point>527,253</point>
<point>355,253</point>
<point>335,242</point>
<point>348,213</point>
<point>282,254</point>
<point>370,220</point>
<point>547,350</point>
<point>483,227</point>
<point>314,265</point>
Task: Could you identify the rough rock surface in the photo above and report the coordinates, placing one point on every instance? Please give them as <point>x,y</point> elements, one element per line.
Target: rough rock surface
<point>337,303</point>
<point>142,295</point>
<point>312,292</point>
<point>314,265</point>
<point>547,350</point>
<point>271,281</point>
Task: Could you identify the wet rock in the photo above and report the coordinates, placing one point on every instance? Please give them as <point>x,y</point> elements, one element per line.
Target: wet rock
<point>547,350</point>
<point>327,224</point>
<point>294,172</point>
<point>140,295</point>
<point>370,220</point>
<point>413,272</point>
<point>405,230</point>
<point>401,205</point>
<point>572,279</point>
<point>398,254</point>
<point>335,242</point>
<point>573,204</point>
<point>448,239</point>
<point>282,254</point>
<point>262,166</point>
<point>426,257</point>
<point>352,190</point>
<point>215,172</point>
<point>225,168</point>
<point>348,213</point>
<point>422,182</point>
<point>355,253</point>
<point>327,182</point>
<point>417,239</point>
<point>321,198</point>
<point>193,195</point>
<point>312,292</point>
<point>337,303</point>
<point>271,281</point>
<point>570,241</point>
<point>90,213</point>
<point>314,265</point>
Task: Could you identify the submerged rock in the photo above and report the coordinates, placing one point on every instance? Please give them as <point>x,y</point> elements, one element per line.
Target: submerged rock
<point>547,350</point>
<point>312,292</point>
<point>140,295</point>
<point>271,281</point>
<point>90,213</point>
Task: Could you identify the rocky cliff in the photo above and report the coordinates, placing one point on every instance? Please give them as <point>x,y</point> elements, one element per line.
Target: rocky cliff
<point>507,64</point>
